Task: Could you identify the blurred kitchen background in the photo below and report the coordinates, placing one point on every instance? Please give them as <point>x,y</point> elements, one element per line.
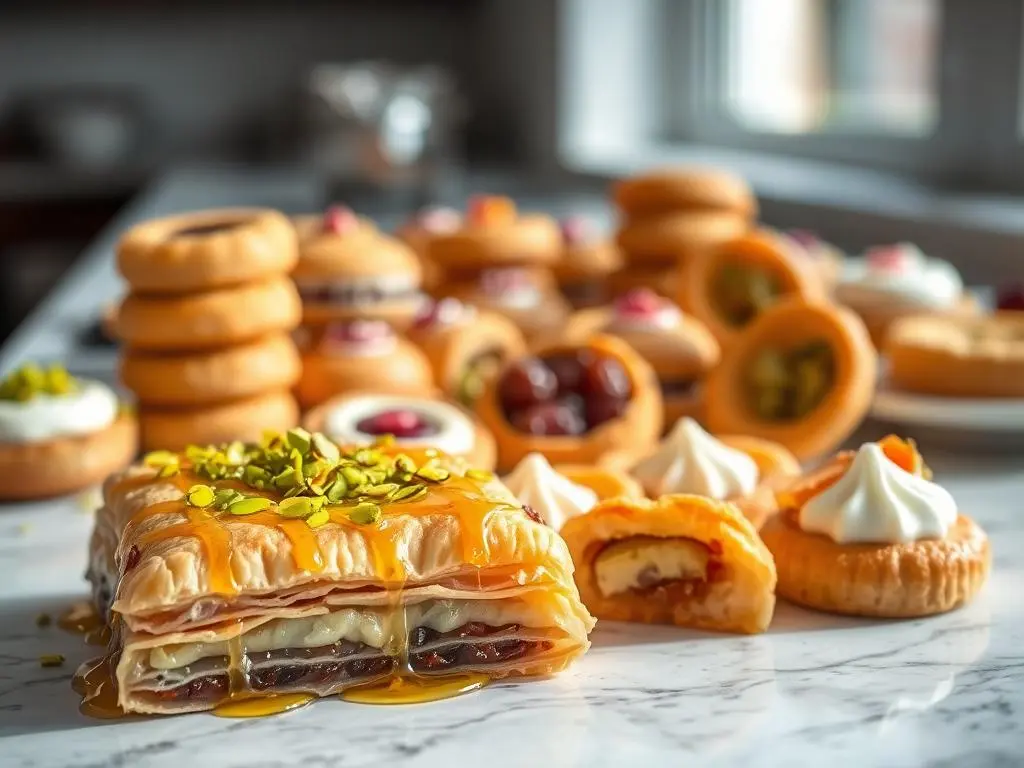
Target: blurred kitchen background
<point>868,120</point>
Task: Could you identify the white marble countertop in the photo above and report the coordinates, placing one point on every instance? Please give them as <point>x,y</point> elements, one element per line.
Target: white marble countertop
<point>815,690</point>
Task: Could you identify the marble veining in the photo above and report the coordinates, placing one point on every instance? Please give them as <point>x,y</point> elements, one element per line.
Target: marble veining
<point>815,690</point>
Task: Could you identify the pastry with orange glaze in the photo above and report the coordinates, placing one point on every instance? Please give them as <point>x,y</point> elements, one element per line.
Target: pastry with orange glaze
<point>745,471</point>
<point>870,534</point>
<point>685,560</point>
<point>465,346</point>
<point>801,375</point>
<point>596,402</point>
<point>413,423</point>
<point>206,250</point>
<point>59,434</point>
<point>291,566</point>
<point>360,356</point>
<point>500,261</point>
<point>587,263</point>
<point>678,347</point>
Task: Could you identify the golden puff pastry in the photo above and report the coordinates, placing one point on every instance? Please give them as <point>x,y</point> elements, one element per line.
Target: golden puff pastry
<point>682,559</point>
<point>296,567</point>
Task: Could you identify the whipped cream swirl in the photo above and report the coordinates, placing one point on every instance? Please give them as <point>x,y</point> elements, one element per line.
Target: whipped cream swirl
<point>689,460</point>
<point>552,495</point>
<point>876,500</point>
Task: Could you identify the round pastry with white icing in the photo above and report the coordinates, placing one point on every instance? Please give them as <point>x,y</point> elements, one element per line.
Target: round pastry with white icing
<point>552,495</point>
<point>899,275</point>
<point>59,434</point>
<point>423,421</point>
<point>878,501</point>
<point>689,460</point>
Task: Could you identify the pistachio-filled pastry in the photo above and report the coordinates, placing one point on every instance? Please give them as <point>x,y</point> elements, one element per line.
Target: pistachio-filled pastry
<point>293,566</point>
<point>681,559</point>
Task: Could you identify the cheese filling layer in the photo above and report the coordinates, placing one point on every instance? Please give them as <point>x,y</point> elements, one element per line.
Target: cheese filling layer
<point>642,562</point>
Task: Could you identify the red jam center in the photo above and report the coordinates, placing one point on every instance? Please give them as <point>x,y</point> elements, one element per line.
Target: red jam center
<point>402,423</point>
<point>890,258</point>
<point>340,220</point>
<point>640,303</point>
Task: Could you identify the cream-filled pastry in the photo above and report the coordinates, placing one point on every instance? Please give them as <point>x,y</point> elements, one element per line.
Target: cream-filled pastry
<point>59,433</point>
<point>550,494</point>
<point>870,534</point>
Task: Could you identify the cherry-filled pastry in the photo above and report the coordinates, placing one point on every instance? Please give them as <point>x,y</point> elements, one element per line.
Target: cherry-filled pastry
<point>294,567</point>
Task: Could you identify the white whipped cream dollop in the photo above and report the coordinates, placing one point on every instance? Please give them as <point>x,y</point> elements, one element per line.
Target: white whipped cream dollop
<point>878,501</point>
<point>689,460</point>
<point>454,432</point>
<point>90,407</point>
<point>899,274</point>
<point>554,497</point>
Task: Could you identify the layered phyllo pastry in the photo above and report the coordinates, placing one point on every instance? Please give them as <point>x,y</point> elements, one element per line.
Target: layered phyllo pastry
<point>295,568</point>
<point>871,534</point>
<point>681,559</point>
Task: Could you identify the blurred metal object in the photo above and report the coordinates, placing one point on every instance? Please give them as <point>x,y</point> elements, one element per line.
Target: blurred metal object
<point>382,125</point>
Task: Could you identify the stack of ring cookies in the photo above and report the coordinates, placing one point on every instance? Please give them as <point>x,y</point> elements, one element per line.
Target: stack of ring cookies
<point>359,289</point>
<point>671,215</point>
<point>206,326</point>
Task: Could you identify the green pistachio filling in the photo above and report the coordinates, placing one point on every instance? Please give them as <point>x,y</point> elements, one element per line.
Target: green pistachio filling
<point>741,292</point>
<point>309,470</point>
<point>785,385</point>
<point>32,380</point>
<point>478,371</point>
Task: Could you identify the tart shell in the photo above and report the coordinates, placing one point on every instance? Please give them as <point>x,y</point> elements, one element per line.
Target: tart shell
<point>210,319</point>
<point>229,373</point>
<point>253,244</point>
<point>48,468</point>
<point>920,578</point>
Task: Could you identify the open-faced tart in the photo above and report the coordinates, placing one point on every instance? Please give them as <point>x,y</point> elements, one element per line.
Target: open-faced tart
<point>59,434</point>
<point>870,534</point>
<point>678,347</point>
<point>802,375</point>
<point>597,402</point>
<point>685,560</point>
<point>728,286</point>
<point>689,460</point>
<point>361,355</point>
<point>588,260</point>
<point>958,356</point>
<point>206,250</point>
<point>465,346</point>
<point>293,568</point>
<point>893,281</point>
<point>348,269</point>
<point>411,422</point>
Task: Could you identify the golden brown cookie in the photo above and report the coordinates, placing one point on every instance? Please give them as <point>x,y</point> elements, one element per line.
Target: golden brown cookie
<point>802,374</point>
<point>206,250</point>
<point>229,373</point>
<point>660,279</point>
<point>606,483</point>
<point>958,356</point>
<point>587,262</point>
<point>677,188</point>
<point>174,428</point>
<point>348,269</point>
<point>361,355</point>
<point>36,470</point>
<point>210,319</point>
<point>465,346</point>
<point>727,286</point>
<point>672,238</point>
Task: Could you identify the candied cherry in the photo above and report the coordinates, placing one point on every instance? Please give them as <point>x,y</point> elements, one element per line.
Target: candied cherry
<point>898,257</point>
<point>340,220</point>
<point>639,301</point>
<point>401,422</point>
<point>600,409</point>
<point>605,377</point>
<point>568,369</point>
<point>527,383</point>
<point>1011,298</point>
<point>549,419</point>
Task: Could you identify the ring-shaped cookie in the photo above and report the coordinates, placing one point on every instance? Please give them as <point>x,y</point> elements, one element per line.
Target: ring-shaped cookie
<point>206,249</point>
<point>36,470</point>
<point>616,443</point>
<point>477,447</point>
<point>791,325</point>
<point>760,252</point>
<point>172,429</point>
<point>918,578</point>
<point>208,320</point>
<point>229,373</point>
<point>675,188</point>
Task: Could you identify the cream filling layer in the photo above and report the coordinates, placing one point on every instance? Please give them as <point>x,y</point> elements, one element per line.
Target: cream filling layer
<point>91,407</point>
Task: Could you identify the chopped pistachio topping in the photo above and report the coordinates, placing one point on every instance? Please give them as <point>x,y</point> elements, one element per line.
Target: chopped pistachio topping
<point>365,513</point>
<point>481,475</point>
<point>51,660</point>
<point>32,380</point>
<point>318,518</point>
<point>43,620</point>
<point>249,506</point>
<point>200,496</point>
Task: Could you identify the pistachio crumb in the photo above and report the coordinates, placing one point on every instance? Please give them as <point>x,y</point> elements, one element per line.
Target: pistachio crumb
<point>43,620</point>
<point>249,506</point>
<point>482,475</point>
<point>51,660</point>
<point>318,518</point>
<point>365,513</point>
